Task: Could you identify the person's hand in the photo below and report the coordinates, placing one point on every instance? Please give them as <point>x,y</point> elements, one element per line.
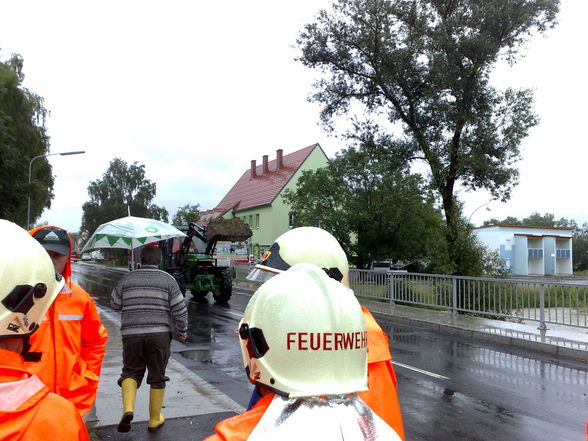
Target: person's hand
<point>182,338</point>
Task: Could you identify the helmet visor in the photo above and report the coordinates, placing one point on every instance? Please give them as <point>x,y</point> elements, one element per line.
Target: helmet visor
<point>260,275</point>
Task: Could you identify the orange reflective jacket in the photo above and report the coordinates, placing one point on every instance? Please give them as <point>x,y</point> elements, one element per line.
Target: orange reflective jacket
<point>381,396</point>
<point>72,340</point>
<point>239,427</point>
<point>29,412</point>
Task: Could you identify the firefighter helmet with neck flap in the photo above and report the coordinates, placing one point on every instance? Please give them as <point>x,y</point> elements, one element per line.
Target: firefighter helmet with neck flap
<point>303,334</point>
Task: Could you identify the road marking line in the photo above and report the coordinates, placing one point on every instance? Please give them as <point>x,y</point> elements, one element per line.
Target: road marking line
<point>431,374</point>
<point>234,314</point>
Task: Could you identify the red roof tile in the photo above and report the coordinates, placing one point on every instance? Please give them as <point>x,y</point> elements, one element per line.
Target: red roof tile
<point>207,215</point>
<point>262,189</point>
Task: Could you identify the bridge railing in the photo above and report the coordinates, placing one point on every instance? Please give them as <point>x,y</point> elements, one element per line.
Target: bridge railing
<point>542,301</point>
<point>518,299</point>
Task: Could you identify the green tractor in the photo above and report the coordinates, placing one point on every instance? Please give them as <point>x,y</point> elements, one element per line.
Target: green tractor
<point>190,261</point>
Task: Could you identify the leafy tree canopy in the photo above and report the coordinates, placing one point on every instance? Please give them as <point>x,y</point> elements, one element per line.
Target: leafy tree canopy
<point>535,220</point>
<point>123,188</point>
<point>186,214</point>
<point>22,137</point>
<point>421,69</point>
<point>580,248</point>
<point>373,206</point>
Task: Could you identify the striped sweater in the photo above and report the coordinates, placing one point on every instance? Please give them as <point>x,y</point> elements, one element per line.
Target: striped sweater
<point>151,303</point>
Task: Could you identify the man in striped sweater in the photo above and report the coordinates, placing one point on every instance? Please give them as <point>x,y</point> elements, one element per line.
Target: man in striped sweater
<point>152,306</point>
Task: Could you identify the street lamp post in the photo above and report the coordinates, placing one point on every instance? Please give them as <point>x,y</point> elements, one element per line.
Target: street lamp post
<point>483,205</point>
<point>78,152</point>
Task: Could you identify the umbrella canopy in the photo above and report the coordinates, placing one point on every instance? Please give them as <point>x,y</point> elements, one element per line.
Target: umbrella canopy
<point>130,232</point>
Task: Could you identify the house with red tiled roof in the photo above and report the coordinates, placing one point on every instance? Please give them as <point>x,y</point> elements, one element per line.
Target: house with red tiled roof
<point>257,196</point>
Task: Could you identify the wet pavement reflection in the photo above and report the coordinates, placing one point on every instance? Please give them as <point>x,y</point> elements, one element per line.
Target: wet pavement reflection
<point>450,388</point>
<point>211,349</point>
<point>489,393</point>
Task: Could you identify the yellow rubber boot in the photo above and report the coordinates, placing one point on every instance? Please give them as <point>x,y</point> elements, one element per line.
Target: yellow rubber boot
<point>156,418</point>
<point>129,394</point>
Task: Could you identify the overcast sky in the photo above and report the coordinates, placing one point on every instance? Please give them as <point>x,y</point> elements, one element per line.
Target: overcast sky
<point>195,90</point>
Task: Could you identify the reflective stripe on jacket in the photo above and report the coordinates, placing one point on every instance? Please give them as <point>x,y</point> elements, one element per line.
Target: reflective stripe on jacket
<point>29,412</point>
<point>72,340</point>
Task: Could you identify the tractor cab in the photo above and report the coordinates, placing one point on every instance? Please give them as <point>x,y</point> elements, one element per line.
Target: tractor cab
<point>190,260</point>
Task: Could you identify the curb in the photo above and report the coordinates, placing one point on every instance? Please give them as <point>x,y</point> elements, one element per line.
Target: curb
<point>187,394</point>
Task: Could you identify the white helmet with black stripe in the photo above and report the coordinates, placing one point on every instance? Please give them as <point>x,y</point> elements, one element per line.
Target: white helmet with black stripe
<point>28,282</point>
<point>303,244</point>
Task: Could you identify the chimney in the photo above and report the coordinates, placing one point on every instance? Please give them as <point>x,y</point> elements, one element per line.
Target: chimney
<point>279,159</point>
<point>265,166</point>
<point>253,167</point>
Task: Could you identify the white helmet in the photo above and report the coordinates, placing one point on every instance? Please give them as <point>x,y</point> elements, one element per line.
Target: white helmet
<point>303,244</point>
<point>303,334</point>
<point>28,282</point>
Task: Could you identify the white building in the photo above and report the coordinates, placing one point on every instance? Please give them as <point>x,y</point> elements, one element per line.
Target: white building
<point>527,251</point>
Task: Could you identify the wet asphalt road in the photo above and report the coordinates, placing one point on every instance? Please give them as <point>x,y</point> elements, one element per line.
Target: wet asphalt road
<point>449,388</point>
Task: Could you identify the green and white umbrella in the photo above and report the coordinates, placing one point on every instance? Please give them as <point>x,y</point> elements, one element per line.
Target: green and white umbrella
<point>130,232</point>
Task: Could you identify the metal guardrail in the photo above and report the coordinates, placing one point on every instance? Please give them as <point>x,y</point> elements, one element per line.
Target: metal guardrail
<point>546,302</point>
<point>239,272</point>
<point>542,301</point>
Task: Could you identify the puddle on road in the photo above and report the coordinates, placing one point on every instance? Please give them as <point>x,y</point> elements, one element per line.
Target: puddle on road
<point>201,355</point>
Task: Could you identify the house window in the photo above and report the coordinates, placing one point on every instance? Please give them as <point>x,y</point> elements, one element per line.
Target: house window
<point>536,253</point>
<point>291,220</point>
<point>257,221</point>
<point>251,220</point>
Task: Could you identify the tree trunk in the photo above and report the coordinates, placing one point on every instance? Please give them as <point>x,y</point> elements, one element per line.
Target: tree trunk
<point>452,227</point>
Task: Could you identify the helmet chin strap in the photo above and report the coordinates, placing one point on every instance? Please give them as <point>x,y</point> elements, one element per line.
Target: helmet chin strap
<point>26,353</point>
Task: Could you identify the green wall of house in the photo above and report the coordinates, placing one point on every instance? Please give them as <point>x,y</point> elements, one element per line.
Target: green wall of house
<point>260,220</point>
<point>270,221</point>
<point>281,221</point>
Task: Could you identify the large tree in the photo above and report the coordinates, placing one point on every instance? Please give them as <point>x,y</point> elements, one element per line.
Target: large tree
<point>22,137</point>
<point>421,69</point>
<point>122,189</point>
<point>373,206</point>
<point>186,214</point>
<point>580,248</point>
<point>534,220</point>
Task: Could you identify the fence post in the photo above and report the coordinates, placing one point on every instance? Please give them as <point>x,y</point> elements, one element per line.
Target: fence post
<point>454,295</point>
<point>392,288</point>
<point>542,325</point>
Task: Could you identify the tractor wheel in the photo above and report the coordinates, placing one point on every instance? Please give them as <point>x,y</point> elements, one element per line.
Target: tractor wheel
<point>181,279</point>
<point>200,296</point>
<point>224,289</point>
